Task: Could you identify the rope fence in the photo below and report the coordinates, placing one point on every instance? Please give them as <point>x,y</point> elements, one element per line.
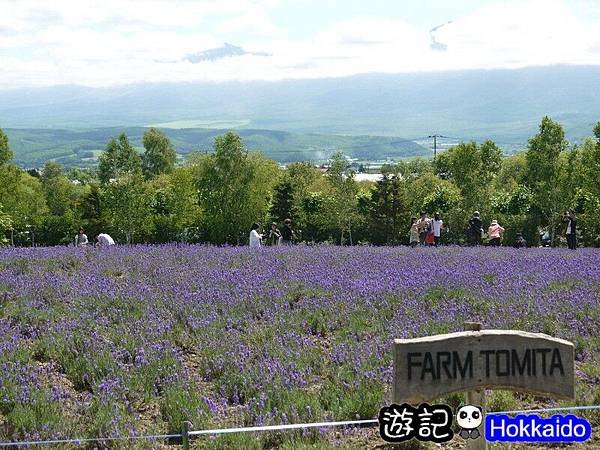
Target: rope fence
<point>187,433</point>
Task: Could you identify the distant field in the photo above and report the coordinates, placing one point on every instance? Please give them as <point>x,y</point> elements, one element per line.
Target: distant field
<point>197,123</point>
<point>81,147</point>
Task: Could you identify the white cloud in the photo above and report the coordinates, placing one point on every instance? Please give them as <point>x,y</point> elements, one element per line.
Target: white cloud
<point>116,41</point>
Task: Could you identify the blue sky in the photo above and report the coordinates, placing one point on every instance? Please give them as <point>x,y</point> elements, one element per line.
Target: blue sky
<point>111,42</point>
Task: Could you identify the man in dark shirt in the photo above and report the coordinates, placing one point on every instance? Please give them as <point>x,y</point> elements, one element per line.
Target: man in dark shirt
<point>287,234</point>
<point>475,227</point>
<point>274,235</point>
<point>520,241</point>
<point>571,222</point>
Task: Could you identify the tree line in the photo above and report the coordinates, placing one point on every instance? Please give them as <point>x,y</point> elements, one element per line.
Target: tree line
<point>144,197</point>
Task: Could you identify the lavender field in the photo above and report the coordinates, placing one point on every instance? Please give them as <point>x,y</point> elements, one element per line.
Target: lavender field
<point>135,340</point>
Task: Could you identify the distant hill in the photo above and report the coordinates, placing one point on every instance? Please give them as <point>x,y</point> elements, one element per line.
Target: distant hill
<point>33,147</point>
<point>504,105</point>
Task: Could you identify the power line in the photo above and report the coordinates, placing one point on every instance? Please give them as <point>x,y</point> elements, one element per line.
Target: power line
<point>435,136</point>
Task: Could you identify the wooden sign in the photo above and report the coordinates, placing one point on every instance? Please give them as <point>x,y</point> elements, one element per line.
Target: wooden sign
<point>430,367</point>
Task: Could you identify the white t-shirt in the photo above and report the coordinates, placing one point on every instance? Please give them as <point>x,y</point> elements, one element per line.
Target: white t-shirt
<point>437,227</point>
<point>80,240</point>
<point>254,239</point>
<point>105,240</point>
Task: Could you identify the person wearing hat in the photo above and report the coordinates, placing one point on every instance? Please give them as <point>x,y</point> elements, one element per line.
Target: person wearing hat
<point>274,235</point>
<point>495,233</point>
<point>475,229</point>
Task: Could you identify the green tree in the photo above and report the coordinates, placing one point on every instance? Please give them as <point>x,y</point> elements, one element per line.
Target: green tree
<point>344,190</point>
<point>283,202</point>
<point>23,200</point>
<point>82,176</point>
<point>316,226</point>
<point>118,159</point>
<point>59,191</point>
<point>512,173</point>
<point>60,224</point>
<point>91,209</point>
<point>266,175</point>
<point>413,169</point>
<point>160,155</point>
<point>6,153</point>
<point>174,205</point>
<point>388,211</point>
<point>510,208</point>
<point>541,176</point>
<point>5,227</point>
<point>579,172</point>
<point>128,206</point>
<point>225,178</point>
<point>431,194</point>
<point>304,179</point>
<point>471,168</point>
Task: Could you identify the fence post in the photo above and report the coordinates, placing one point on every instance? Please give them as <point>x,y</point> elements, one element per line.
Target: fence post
<point>476,397</point>
<point>185,435</point>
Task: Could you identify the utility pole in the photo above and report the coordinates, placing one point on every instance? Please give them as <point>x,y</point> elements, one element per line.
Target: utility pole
<point>435,136</point>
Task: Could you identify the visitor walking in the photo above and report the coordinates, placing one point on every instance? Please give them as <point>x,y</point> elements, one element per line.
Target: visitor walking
<point>104,240</point>
<point>413,240</point>
<point>255,237</point>
<point>495,233</point>
<point>287,233</point>
<point>475,230</point>
<point>274,236</point>
<point>81,239</point>
<point>570,232</point>
<point>437,225</point>
<point>424,226</point>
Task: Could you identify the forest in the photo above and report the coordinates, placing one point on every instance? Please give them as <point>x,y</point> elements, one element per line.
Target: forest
<point>214,197</point>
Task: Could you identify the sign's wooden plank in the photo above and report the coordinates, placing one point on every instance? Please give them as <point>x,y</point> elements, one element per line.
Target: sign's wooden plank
<point>429,367</point>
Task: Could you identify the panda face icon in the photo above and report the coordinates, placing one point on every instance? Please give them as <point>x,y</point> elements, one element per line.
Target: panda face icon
<point>469,417</point>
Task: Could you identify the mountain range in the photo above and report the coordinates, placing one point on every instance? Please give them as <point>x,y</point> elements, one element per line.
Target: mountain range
<point>504,105</point>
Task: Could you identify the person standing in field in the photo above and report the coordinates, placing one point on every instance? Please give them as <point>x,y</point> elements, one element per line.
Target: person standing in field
<point>475,229</point>
<point>495,233</point>
<point>570,232</point>
<point>274,235</point>
<point>287,233</point>
<point>424,225</point>
<point>104,240</point>
<point>437,225</point>
<point>520,241</point>
<point>255,237</point>
<point>414,233</point>
<point>81,240</point>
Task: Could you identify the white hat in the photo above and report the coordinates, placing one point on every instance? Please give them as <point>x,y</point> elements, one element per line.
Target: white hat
<point>494,222</point>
